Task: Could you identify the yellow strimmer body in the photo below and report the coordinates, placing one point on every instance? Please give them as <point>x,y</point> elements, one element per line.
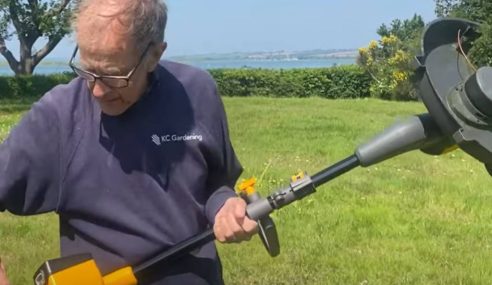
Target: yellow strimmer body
<point>80,270</point>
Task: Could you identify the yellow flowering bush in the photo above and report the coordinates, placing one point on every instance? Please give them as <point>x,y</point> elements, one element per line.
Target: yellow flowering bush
<point>389,64</point>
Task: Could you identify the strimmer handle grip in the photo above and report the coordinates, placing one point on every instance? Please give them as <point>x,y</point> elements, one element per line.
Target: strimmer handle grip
<point>266,227</point>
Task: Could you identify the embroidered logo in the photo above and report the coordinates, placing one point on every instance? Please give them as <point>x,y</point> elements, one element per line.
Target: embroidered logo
<point>159,140</point>
<point>156,139</point>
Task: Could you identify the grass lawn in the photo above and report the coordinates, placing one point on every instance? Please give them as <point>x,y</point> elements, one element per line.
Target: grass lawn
<point>414,219</point>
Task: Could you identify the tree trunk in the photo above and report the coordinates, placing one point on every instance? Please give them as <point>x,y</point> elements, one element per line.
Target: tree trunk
<point>27,61</point>
<point>26,66</point>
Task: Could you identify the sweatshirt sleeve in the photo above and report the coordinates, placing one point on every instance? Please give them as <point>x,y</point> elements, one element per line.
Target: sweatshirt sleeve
<point>30,163</point>
<point>226,169</point>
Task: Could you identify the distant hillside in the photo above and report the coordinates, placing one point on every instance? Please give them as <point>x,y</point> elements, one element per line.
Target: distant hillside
<point>275,55</point>
<point>249,56</point>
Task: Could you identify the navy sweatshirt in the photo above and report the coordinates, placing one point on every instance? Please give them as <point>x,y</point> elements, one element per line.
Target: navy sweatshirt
<point>126,187</point>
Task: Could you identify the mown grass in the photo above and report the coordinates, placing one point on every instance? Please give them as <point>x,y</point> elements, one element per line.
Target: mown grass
<point>414,219</point>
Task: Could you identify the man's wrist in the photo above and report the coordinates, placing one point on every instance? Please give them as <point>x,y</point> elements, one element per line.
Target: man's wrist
<point>216,201</point>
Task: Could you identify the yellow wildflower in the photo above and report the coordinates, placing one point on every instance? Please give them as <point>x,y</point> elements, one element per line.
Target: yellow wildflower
<point>400,76</point>
<point>389,40</point>
<point>373,45</point>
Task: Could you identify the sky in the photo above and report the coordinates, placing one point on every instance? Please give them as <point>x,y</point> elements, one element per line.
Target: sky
<point>223,26</point>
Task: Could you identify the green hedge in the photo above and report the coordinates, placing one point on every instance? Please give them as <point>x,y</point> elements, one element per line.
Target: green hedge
<point>31,86</point>
<point>334,82</point>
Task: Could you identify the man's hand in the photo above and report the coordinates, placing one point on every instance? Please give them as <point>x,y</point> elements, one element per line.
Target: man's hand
<point>232,224</point>
<point>3,275</point>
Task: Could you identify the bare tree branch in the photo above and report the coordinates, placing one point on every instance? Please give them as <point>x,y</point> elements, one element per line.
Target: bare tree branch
<point>15,20</point>
<point>13,63</point>
<point>46,49</point>
<point>63,6</point>
<point>33,3</point>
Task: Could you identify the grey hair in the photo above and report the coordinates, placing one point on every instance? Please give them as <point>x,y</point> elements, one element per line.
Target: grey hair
<point>145,19</point>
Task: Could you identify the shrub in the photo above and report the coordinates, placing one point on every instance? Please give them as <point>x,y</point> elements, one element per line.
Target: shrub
<point>390,60</point>
<point>390,66</point>
<point>31,85</point>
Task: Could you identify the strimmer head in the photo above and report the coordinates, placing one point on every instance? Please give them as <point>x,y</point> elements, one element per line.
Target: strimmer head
<point>457,96</point>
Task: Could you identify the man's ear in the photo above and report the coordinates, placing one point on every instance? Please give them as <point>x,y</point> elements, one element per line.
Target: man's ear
<point>155,54</point>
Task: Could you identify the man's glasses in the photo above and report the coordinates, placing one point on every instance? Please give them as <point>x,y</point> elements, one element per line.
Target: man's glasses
<point>108,80</point>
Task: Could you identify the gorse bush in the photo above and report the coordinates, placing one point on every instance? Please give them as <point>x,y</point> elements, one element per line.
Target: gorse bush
<point>390,68</point>
<point>389,60</point>
<point>333,83</point>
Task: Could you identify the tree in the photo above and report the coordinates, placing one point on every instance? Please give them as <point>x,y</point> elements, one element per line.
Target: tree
<point>476,10</point>
<point>470,9</point>
<point>405,30</point>
<point>31,20</point>
<point>444,8</point>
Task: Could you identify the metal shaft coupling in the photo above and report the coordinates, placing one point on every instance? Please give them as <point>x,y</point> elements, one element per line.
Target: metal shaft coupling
<point>300,187</point>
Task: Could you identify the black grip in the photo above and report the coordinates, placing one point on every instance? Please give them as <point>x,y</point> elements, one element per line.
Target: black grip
<point>266,228</point>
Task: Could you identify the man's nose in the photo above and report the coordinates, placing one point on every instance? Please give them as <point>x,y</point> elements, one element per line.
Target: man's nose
<point>99,89</point>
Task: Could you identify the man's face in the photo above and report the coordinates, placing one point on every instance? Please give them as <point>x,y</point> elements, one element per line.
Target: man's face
<point>106,50</point>
<point>115,62</point>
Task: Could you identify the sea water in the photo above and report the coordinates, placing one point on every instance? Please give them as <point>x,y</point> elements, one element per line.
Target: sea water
<point>58,67</point>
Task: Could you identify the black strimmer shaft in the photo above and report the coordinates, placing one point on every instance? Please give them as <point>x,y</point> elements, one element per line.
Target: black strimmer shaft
<point>335,170</point>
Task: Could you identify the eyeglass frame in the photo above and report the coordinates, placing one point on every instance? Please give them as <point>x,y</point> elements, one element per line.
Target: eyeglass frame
<point>95,77</point>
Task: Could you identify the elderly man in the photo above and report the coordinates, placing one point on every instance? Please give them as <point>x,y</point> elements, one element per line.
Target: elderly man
<point>133,155</point>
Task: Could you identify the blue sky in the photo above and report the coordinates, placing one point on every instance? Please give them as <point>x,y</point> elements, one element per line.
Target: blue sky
<point>220,26</point>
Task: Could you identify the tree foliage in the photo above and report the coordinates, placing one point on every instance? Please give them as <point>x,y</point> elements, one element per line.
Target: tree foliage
<point>29,21</point>
<point>389,59</point>
<point>405,30</point>
<point>470,9</point>
<point>476,10</point>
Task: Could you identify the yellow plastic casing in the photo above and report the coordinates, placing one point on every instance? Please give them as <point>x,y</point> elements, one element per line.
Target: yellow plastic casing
<point>298,176</point>
<point>449,149</point>
<point>85,273</point>
<point>123,276</point>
